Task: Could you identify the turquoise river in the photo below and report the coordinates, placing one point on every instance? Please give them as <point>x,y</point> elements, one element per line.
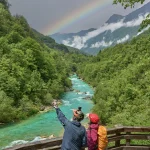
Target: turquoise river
<point>46,124</point>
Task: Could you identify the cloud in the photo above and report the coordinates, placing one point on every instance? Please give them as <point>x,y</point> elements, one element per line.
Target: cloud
<point>106,44</point>
<point>136,22</point>
<point>143,30</point>
<point>114,26</point>
<point>77,42</point>
<point>123,39</point>
<point>101,44</point>
<point>66,42</point>
<point>80,41</point>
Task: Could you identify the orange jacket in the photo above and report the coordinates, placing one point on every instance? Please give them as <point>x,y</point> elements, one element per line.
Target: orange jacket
<point>102,138</point>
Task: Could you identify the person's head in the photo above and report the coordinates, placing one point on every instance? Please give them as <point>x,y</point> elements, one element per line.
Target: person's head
<point>94,118</point>
<point>78,114</point>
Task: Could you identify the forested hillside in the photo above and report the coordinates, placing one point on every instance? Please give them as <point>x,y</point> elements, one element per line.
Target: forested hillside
<point>121,77</point>
<point>31,74</point>
<point>49,41</point>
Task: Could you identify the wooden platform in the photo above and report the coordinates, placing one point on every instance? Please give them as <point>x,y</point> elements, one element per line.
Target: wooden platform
<point>115,136</point>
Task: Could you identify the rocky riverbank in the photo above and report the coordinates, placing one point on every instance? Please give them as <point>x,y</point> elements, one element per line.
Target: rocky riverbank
<point>44,109</point>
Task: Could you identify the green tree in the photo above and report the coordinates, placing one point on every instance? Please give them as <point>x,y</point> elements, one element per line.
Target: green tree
<point>128,3</point>
<point>5,3</point>
<point>120,75</point>
<point>7,112</point>
<point>31,73</point>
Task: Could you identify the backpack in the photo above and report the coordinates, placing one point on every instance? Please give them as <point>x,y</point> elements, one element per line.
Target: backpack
<point>102,138</point>
<point>97,138</point>
<point>92,137</point>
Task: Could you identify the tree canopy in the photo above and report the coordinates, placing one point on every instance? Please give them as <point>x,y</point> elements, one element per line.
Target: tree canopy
<point>121,77</point>
<point>31,74</point>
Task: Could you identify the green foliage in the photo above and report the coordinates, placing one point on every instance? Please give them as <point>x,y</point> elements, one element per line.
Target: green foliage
<point>6,110</point>
<point>5,3</point>
<point>14,37</point>
<point>5,21</point>
<point>48,99</point>
<point>49,42</point>
<point>145,22</point>
<point>128,3</point>
<point>121,75</point>
<point>25,29</point>
<point>31,74</point>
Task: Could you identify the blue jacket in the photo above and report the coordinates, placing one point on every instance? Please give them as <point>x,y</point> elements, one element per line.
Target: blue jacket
<point>74,135</point>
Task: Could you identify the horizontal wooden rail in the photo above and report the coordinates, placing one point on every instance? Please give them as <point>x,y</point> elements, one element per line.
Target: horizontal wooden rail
<point>131,148</point>
<point>128,129</point>
<point>128,134</point>
<point>135,136</point>
<point>54,143</point>
<point>114,135</point>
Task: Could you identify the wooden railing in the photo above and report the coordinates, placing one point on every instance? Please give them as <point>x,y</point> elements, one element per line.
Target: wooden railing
<point>122,138</point>
<point>119,139</point>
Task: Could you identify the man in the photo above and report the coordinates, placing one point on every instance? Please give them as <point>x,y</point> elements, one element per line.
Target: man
<point>74,137</point>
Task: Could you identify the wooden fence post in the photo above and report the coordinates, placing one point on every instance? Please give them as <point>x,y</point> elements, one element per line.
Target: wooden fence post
<point>128,140</point>
<point>117,143</point>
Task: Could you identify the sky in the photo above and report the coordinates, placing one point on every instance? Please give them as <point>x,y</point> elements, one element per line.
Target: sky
<point>66,16</point>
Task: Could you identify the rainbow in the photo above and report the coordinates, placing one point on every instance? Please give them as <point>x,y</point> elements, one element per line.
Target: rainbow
<point>75,16</point>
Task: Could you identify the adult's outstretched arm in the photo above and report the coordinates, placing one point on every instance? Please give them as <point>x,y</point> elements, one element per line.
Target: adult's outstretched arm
<point>64,121</point>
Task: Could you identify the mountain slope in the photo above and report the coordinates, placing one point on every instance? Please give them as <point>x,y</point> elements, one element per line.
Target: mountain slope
<point>121,77</point>
<point>117,29</point>
<point>31,73</point>
<point>52,44</point>
<point>49,41</point>
<point>60,37</point>
<point>114,18</point>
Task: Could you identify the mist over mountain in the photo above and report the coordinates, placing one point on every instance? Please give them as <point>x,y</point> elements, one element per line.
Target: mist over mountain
<point>60,37</point>
<point>117,29</point>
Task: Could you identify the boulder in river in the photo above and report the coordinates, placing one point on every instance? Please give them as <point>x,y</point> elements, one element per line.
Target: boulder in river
<point>77,91</point>
<point>42,108</point>
<point>51,136</point>
<point>87,98</point>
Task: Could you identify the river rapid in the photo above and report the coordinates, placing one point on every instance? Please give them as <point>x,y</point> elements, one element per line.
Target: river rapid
<point>46,124</point>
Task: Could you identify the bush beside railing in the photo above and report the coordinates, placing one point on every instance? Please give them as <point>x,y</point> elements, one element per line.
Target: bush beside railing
<point>115,136</point>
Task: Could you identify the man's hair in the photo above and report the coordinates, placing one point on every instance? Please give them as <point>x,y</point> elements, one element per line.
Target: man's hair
<point>80,116</point>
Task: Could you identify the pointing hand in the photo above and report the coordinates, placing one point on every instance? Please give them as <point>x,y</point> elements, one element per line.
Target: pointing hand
<point>54,104</point>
